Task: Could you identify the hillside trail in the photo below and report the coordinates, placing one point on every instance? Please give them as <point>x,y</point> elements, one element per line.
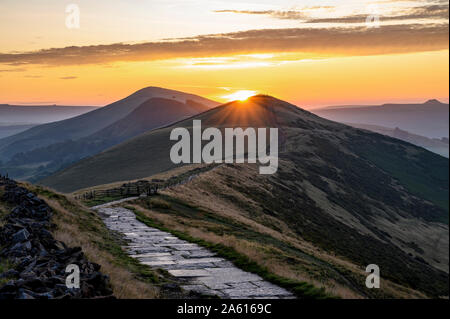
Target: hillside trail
<point>197,269</point>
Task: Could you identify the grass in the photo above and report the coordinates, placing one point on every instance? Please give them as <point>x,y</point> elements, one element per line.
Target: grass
<point>78,226</point>
<point>425,175</point>
<point>300,289</point>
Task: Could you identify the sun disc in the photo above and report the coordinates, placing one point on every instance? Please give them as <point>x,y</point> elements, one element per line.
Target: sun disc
<point>241,95</point>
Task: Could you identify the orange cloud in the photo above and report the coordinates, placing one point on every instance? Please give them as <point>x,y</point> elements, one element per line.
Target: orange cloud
<point>356,41</point>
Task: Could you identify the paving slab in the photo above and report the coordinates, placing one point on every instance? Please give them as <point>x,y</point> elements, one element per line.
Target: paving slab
<point>198,268</point>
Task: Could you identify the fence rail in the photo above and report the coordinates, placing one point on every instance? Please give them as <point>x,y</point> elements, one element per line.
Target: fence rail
<point>131,189</point>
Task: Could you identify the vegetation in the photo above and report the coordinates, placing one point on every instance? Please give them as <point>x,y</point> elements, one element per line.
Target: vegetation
<point>301,289</point>
<point>424,174</point>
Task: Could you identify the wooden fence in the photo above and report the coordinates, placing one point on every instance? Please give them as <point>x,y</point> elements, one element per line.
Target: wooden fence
<point>126,190</point>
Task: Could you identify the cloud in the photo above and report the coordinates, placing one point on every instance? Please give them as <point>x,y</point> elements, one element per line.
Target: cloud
<point>284,15</point>
<point>423,12</point>
<point>352,41</point>
<point>68,78</point>
<point>431,11</point>
<point>12,70</point>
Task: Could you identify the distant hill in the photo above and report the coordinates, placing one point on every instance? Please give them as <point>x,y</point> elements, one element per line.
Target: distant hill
<point>89,123</point>
<point>38,114</point>
<point>361,196</point>
<point>15,119</point>
<point>438,146</point>
<point>44,149</point>
<point>430,119</point>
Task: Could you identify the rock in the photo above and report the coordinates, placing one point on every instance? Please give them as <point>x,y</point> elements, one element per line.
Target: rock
<point>9,274</point>
<point>171,287</point>
<point>23,294</point>
<point>10,286</point>
<point>20,236</point>
<point>40,260</point>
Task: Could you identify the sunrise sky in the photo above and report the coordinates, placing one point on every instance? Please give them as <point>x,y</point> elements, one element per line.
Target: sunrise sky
<point>311,52</point>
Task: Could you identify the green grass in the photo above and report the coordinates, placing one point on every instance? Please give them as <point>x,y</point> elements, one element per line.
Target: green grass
<point>300,289</point>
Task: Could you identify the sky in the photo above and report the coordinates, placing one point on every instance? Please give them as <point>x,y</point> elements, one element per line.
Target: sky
<point>311,53</point>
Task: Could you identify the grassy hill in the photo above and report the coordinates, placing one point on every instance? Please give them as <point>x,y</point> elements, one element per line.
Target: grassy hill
<point>438,146</point>
<point>361,196</point>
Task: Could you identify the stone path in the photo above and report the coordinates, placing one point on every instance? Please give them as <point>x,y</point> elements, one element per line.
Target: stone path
<point>197,268</point>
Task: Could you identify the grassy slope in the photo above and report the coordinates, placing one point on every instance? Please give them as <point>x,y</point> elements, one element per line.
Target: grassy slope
<point>278,258</point>
<point>424,174</point>
<point>302,290</point>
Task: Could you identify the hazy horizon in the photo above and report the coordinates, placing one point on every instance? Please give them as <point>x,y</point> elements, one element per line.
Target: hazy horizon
<point>334,53</point>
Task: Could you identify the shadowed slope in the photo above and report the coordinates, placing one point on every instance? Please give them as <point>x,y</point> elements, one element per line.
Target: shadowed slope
<point>89,123</point>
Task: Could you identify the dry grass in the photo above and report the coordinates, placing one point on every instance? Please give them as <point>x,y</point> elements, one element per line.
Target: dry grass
<point>259,253</point>
<point>205,192</point>
<point>71,231</point>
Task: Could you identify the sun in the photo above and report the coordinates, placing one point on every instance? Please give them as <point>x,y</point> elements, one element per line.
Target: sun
<point>240,95</point>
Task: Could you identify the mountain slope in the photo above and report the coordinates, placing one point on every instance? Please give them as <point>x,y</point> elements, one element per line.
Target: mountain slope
<point>8,130</point>
<point>65,142</point>
<point>362,196</point>
<point>132,159</point>
<point>429,119</point>
<point>89,123</point>
<point>438,146</point>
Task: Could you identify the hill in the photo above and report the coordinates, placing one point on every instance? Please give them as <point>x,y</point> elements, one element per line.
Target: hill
<point>15,119</point>
<point>438,146</point>
<point>429,119</point>
<point>8,129</point>
<point>89,123</point>
<point>359,196</point>
<point>44,149</point>
<point>38,114</point>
